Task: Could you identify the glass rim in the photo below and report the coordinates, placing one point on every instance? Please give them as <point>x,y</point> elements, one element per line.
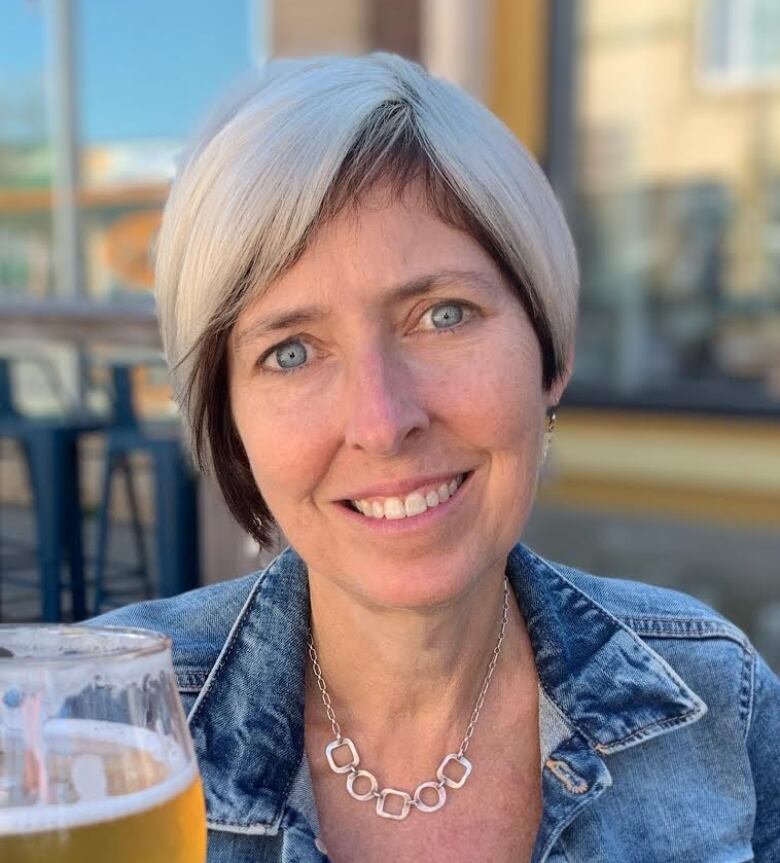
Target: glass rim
<point>135,643</point>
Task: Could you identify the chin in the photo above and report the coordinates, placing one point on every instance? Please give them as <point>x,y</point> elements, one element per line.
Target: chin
<point>415,586</point>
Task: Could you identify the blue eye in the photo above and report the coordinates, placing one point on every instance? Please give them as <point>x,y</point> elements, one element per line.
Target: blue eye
<point>446,315</point>
<point>290,355</point>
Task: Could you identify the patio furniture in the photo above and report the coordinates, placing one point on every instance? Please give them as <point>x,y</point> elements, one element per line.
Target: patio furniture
<point>174,485</point>
<point>50,450</point>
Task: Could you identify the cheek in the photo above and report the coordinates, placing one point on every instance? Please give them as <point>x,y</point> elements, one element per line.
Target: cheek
<point>495,397</point>
<point>285,443</point>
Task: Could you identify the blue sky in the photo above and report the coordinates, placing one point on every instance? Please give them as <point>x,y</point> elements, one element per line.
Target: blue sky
<point>146,68</point>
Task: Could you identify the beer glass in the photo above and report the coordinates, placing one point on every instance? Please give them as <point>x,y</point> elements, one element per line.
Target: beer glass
<point>96,761</point>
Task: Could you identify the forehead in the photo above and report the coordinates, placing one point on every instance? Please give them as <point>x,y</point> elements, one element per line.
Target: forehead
<point>367,251</point>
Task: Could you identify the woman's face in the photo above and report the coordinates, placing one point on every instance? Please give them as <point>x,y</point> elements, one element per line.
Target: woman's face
<point>391,361</point>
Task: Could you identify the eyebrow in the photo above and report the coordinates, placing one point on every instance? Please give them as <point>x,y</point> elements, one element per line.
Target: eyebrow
<point>406,291</point>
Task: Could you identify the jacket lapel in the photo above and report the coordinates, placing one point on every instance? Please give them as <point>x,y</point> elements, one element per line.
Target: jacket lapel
<point>609,685</point>
<point>247,722</point>
<point>602,689</point>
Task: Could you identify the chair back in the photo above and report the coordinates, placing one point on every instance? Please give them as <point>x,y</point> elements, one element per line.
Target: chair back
<point>7,407</point>
<point>123,407</point>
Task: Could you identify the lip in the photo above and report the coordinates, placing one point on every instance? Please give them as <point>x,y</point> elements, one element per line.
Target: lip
<point>402,526</point>
<point>403,487</point>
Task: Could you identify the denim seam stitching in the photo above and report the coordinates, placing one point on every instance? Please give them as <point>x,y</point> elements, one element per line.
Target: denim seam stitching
<point>747,689</point>
<point>216,823</point>
<point>709,621</point>
<point>693,636</point>
<point>710,627</point>
<point>238,823</point>
<point>639,733</point>
<point>192,674</point>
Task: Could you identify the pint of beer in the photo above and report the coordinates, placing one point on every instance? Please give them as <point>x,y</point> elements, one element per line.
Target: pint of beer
<point>96,763</point>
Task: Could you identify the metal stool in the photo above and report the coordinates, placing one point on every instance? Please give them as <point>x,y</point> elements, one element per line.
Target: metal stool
<point>49,446</point>
<point>175,497</point>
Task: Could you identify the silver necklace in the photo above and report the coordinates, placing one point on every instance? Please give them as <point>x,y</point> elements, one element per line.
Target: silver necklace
<point>443,780</point>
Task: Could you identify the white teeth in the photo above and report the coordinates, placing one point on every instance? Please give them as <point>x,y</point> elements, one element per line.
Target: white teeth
<point>413,504</point>
<point>394,508</point>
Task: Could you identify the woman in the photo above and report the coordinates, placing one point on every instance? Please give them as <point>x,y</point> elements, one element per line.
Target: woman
<point>367,295</point>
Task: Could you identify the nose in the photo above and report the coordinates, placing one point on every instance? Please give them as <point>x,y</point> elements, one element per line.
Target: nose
<point>383,409</point>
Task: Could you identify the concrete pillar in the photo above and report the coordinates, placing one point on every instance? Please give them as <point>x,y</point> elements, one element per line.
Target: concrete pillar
<point>456,42</point>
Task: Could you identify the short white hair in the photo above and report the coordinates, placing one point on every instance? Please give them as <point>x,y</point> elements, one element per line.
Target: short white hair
<point>301,142</point>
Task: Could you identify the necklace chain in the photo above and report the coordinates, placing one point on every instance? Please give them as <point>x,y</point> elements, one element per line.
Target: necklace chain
<point>444,780</point>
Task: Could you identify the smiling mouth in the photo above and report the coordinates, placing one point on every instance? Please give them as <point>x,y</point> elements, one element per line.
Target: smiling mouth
<point>396,508</point>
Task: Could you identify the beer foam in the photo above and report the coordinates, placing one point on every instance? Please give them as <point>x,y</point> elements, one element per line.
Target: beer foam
<point>15,820</point>
<point>120,734</point>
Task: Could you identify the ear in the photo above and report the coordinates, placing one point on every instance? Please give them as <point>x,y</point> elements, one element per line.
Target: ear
<point>554,395</point>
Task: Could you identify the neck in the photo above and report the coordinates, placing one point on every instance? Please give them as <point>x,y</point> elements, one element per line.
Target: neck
<point>410,676</point>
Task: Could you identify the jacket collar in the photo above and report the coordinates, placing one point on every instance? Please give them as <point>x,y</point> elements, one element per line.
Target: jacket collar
<point>605,681</point>
<point>247,722</point>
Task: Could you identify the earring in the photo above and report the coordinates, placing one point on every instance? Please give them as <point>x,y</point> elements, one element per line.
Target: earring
<point>548,435</point>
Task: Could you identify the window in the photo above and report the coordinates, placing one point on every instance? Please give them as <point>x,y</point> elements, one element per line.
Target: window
<point>677,207</point>
<point>739,42</point>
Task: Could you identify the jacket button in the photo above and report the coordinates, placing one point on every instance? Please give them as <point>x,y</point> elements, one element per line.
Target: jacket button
<point>564,774</point>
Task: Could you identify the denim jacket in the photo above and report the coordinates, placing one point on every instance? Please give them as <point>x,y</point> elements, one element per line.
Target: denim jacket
<point>659,724</point>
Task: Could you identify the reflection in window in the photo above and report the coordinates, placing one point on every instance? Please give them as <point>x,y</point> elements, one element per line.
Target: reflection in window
<point>25,159</point>
<point>740,41</point>
<point>147,73</point>
<point>678,202</point>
